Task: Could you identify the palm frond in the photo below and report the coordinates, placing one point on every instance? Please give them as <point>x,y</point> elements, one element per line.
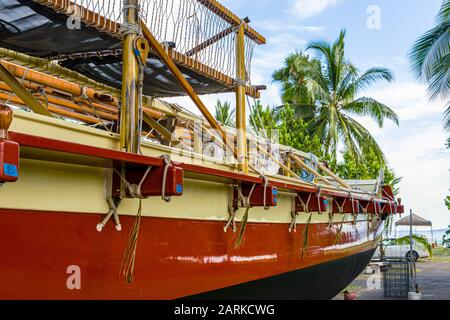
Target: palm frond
<point>378,111</point>
<point>430,55</point>
<point>224,114</point>
<point>447,117</point>
<point>418,239</point>
<point>365,140</point>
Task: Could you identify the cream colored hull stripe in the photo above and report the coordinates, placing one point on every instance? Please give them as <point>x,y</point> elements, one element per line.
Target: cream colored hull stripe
<point>62,187</point>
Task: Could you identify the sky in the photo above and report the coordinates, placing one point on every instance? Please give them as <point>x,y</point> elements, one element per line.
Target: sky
<point>379,33</point>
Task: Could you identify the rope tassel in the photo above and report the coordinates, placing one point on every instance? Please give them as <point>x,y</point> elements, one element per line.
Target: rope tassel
<point>128,259</point>
<point>240,237</point>
<point>305,235</point>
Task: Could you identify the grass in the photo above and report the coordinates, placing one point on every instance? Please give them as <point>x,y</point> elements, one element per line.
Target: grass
<point>440,254</point>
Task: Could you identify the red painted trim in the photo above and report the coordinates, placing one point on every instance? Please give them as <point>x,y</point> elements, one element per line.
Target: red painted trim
<point>114,155</point>
<point>174,257</point>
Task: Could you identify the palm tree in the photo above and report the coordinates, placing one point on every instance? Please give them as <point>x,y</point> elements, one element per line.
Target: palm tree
<point>333,85</point>
<point>430,57</point>
<point>263,120</point>
<point>224,113</point>
<point>293,79</point>
<point>446,237</point>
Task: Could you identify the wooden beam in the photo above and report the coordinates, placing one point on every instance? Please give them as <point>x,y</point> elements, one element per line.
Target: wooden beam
<point>162,131</point>
<point>232,19</point>
<point>129,112</point>
<point>160,51</point>
<point>23,93</point>
<point>241,128</point>
<point>210,41</point>
<point>334,176</point>
<point>310,170</point>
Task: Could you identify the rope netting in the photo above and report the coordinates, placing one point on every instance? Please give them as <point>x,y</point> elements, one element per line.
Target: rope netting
<point>188,26</point>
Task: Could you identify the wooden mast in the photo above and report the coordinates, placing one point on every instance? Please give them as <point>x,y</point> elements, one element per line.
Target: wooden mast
<point>241,129</point>
<point>129,115</point>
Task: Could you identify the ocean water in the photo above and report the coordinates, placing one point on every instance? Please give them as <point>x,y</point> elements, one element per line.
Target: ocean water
<point>422,231</point>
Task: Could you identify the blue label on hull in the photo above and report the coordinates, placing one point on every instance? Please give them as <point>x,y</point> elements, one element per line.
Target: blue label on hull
<point>10,170</point>
<point>179,188</point>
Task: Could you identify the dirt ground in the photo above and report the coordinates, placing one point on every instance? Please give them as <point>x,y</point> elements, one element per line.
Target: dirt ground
<point>433,278</point>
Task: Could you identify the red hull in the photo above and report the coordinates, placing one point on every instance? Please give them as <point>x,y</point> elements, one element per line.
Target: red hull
<point>175,258</point>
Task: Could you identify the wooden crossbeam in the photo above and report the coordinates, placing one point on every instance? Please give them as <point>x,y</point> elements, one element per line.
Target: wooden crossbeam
<point>23,93</point>
<point>232,19</point>
<point>310,170</point>
<point>210,41</point>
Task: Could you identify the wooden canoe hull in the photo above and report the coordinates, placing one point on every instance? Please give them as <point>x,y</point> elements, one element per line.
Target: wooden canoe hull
<point>177,258</point>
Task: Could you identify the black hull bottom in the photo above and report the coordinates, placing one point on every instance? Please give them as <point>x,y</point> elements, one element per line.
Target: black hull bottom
<point>320,282</point>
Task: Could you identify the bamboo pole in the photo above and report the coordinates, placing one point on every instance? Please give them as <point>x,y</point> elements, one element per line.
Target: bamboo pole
<point>54,109</point>
<point>129,113</point>
<point>161,130</point>
<point>282,165</point>
<point>23,93</point>
<point>334,176</point>
<point>241,130</point>
<point>67,104</point>
<point>52,68</point>
<point>310,170</point>
<point>159,49</point>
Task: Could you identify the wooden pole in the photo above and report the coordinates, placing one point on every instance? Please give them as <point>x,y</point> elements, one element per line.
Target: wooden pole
<point>309,169</point>
<point>241,130</point>
<point>334,176</point>
<point>282,165</point>
<point>165,58</point>
<point>129,114</point>
<point>159,49</point>
<point>23,93</point>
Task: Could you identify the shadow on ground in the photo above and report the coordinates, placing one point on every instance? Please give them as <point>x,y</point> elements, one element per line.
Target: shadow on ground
<point>433,277</point>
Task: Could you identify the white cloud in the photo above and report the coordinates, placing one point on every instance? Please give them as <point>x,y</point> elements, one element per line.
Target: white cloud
<point>309,8</point>
<point>276,26</point>
<point>415,149</point>
<point>409,100</point>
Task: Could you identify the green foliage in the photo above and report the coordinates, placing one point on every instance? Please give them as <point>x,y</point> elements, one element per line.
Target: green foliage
<point>447,202</point>
<point>369,169</point>
<point>446,236</point>
<point>418,239</point>
<point>263,120</point>
<point>224,114</point>
<point>324,92</point>
<point>292,131</point>
<point>430,57</point>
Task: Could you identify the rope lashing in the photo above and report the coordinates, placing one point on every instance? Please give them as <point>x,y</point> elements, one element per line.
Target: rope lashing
<point>231,220</point>
<point>319,207</point>
<point>339,233</point>
<point>246,203</point>
<point>354,214</point>
<point>340,206</point>
<point>129,28</point>
<point>305,204</point>
<point>113,207</point>
<point>305,235</point>
<point>134,189</point>
<point>135,192</point>
<point>167,165</point>
<point>293,225</point>
<point>266,183</point>
<point>364,209</point>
